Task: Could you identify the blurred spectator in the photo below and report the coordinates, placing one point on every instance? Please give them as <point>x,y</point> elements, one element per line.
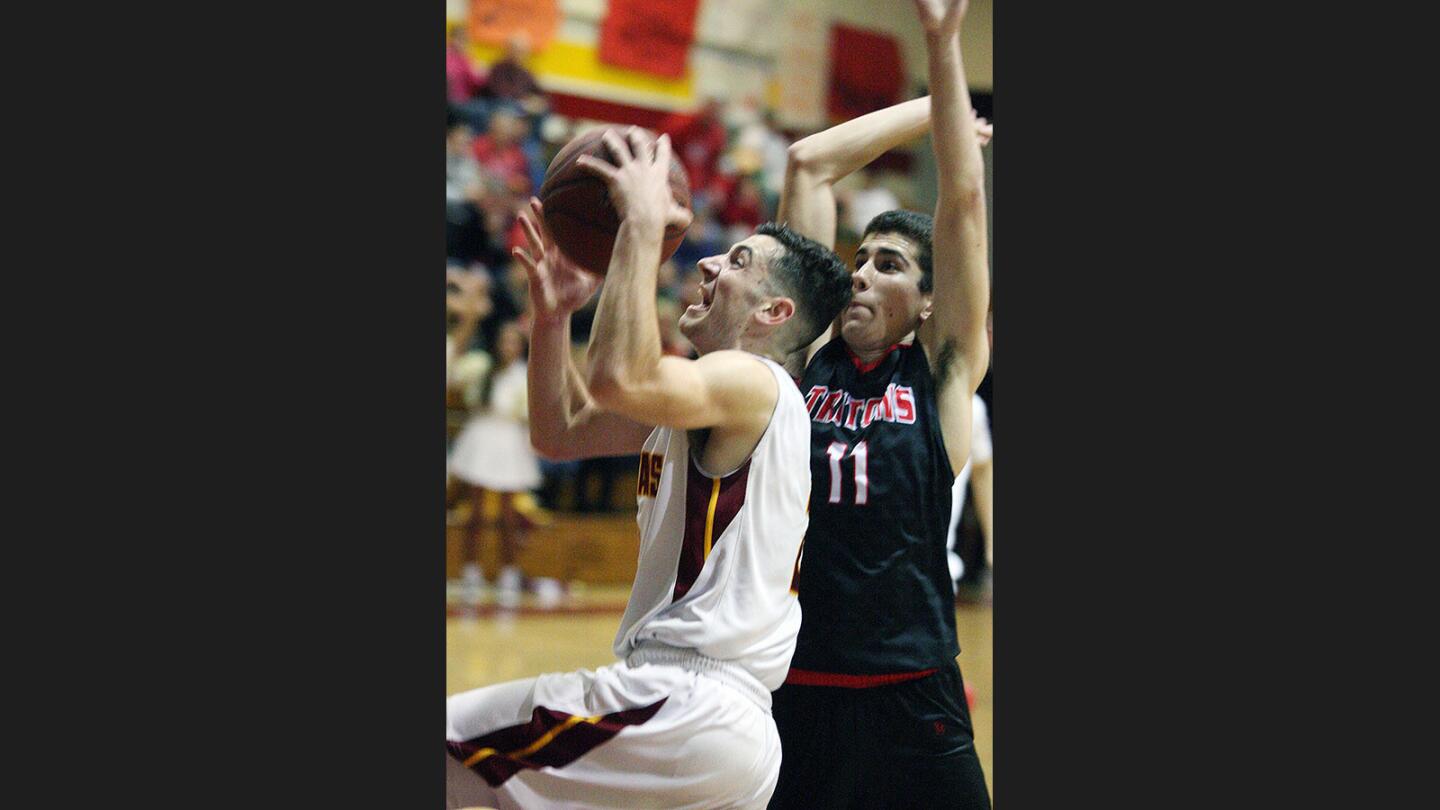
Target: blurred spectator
<point>505,181</point>
<point>744,209</point>
<point>698,141</point>
<point>976,479</point>
<point>760,150</point>
<point>510,79</point>
<point>465,235</point>
<point>867,202</point>
<point>467,303</point>
<point>500,155</point>
<point>493,453</point>
<point>774,152</point>
<point>462,78</point>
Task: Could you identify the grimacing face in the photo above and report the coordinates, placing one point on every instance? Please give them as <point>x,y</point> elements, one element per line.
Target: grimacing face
<point>731,289</point>
<point>887,305</point>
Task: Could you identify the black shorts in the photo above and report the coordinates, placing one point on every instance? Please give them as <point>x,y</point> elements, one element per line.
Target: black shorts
<point>905,745</point>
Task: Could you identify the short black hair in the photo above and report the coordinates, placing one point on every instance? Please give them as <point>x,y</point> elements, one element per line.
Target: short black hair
<point>919,228</point>
<point>814,276</point>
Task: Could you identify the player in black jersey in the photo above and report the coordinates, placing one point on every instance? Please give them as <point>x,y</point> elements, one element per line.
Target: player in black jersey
<point>873,711</point>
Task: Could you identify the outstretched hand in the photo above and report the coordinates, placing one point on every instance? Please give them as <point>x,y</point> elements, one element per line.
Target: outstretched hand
<point>639,180</point>
<point>558,286</point>
<point>941,16</point>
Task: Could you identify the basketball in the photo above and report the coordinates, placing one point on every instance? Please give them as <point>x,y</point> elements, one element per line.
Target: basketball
<point>577,205</point>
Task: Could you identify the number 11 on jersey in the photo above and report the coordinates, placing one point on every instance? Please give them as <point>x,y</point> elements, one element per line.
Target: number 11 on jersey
<point>836,451</point>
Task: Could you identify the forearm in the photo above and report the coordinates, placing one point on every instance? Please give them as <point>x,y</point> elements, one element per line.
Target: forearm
<point>554,391</point>
<point>816,163</point>
<point>956,332</point>
<point>958,162</point>
<point>625,346</point>
<point>830,155</point>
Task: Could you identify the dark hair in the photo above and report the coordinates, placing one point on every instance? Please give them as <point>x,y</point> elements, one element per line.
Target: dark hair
<point>919,228</point>
<point>811,274</point>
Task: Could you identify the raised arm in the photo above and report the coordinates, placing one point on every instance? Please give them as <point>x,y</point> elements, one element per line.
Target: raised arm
<point>565,421</point>
<point>818,162</point>
<point>628,373</point>
<point>954,335</point>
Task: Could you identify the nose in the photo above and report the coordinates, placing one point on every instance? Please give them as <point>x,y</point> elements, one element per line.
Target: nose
<point>709,267</point>
<point>860,279</point>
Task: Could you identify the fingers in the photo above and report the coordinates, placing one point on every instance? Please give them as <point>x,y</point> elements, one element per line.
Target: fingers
<point>619,149</point>
<point>532,235</point>
<point>642,144</point>
<point>597,167</point>
<point>524,258</point>
<point>547,243</point>
<point>541,291</point>
<point>662,152</point>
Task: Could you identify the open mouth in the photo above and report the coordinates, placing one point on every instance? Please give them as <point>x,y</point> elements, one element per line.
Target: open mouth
<point>707,296</point>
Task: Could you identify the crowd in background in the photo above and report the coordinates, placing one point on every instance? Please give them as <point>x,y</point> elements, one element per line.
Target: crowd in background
<point>501,134</point>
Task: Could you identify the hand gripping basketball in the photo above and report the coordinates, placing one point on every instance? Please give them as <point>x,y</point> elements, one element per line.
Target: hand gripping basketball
<point>639,180</point>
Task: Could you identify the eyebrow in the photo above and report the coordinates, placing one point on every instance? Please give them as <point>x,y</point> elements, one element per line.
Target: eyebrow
<point>882,251</point>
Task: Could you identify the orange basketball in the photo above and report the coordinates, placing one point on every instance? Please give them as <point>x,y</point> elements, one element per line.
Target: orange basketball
<point>578,211</point>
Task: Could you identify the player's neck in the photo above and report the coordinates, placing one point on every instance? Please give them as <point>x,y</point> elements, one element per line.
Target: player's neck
<point>871,353</point>
<point>763,349</point>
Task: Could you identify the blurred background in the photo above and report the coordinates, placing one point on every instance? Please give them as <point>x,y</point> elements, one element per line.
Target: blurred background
<point>540,555</point>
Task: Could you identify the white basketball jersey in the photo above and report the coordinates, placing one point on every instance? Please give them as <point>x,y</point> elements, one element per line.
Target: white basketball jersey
<point>718,552</point>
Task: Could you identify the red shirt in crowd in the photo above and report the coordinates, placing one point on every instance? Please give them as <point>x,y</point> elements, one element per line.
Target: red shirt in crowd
<point>698,142</point>
<point>505,162</point>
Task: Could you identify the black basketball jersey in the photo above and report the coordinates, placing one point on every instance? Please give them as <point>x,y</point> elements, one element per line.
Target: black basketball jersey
<point>874,583</point>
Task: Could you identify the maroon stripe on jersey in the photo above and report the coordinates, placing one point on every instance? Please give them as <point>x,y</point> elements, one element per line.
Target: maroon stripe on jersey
<point>805,677</point>
<point>699,490</point>
<point>552,739</point>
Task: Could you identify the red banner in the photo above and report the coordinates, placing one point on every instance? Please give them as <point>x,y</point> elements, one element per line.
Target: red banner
<point>866,72</point>
<point>649,36</point>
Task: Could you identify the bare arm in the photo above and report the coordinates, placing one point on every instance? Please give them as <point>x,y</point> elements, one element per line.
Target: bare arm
<point>818,162</point>
<point>628,372</point>
<point>565,421</point>
<point>954,335</point>
<point>982,487</point>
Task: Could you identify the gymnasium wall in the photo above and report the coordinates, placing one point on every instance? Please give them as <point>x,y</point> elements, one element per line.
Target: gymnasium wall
<point>739,47</point>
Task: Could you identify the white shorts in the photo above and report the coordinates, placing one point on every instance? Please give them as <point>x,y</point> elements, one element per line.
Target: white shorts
<point>623,736</point>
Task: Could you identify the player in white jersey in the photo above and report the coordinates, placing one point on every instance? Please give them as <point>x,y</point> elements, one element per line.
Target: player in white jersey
<point>979,464</point>
<point>683,719</point>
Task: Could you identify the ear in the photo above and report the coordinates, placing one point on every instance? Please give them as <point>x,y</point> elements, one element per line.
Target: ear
<point>928,307</point>
<point>776,312</point>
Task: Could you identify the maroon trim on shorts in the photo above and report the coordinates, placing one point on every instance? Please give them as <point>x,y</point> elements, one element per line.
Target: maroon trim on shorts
<point>698,489</point>
<point>805,677</point>
<point>564,748</point>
